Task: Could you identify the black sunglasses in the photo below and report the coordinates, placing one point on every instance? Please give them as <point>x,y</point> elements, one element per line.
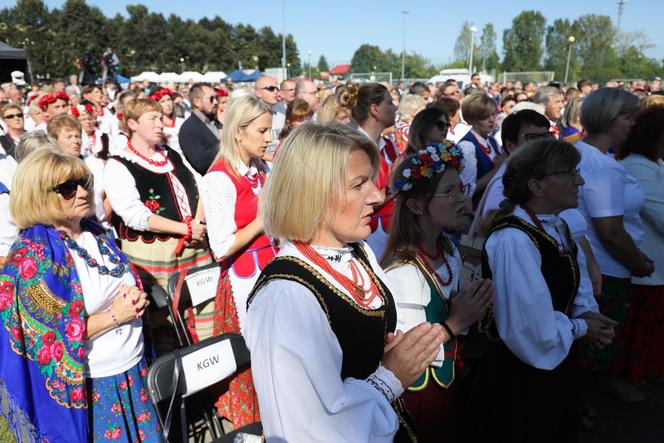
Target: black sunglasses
<point>12,116</point>
<point>68,189</point>
<point>271,88</point>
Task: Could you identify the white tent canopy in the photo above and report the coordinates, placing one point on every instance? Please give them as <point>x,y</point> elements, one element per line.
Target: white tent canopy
<point>147,75</point>
<point>191,75</point>
<point>214,76</point>
<point>169,77</point>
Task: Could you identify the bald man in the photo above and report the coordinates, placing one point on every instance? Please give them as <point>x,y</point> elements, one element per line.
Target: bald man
<point>268,92</point>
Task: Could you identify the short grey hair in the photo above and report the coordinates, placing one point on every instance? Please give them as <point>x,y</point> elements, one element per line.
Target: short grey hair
<point>602,106</point>
<point>34,141</point>
<point>409,104</point>
<point>544,94</point>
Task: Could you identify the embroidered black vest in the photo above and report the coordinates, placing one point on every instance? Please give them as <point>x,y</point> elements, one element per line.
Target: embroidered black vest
<point>360,332</point>
<point>157,193</point>
<point>560,269</point>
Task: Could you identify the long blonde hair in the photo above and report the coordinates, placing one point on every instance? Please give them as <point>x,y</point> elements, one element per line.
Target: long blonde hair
<point>241,112</point>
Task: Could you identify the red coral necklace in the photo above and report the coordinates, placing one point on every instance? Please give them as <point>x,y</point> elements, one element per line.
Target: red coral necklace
<point>158,163</point>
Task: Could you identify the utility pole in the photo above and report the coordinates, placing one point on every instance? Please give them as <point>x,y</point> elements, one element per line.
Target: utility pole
<point>283,40</point>
<point>621,6</point>
<point>403,46</point>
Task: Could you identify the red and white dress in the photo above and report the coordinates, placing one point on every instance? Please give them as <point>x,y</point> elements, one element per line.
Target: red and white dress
<point>231,203</point>
<point>171,134</point>
<point>381,220</point>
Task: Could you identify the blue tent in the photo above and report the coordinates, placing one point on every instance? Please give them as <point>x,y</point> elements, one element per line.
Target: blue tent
<point>121,79</point>
<point>240,76</point>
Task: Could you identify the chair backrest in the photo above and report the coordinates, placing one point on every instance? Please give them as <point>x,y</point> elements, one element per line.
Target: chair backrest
<point>199,284</point>
<point>203,364</point>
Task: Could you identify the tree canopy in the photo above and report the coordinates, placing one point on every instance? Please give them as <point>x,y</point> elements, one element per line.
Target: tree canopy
<point>56,39</point>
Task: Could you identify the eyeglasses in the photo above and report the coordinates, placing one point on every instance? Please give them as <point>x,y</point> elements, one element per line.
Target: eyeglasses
<point>68,189</point>
<point>311,92</point>
<point>288,90</point>
<point>535,136</point>
<point>573,173</point>
<point>442,126</point>
<point>12,116</point>
<point>455,195</point>
<point>271,88</point>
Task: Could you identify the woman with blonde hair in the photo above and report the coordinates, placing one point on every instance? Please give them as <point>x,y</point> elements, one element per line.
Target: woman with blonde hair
<point>572,129</point>
<point>71,337</point>
<point>410,105</point>
<point>321,318</point>
<point>230,193</point>
<point>330,110</point>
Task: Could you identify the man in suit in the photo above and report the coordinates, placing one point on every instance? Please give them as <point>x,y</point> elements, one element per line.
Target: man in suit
<point>199,138</point>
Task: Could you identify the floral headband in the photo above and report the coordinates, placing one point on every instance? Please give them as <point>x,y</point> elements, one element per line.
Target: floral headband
<point>429,161</point>
<point>51,98</point>
<point>79,110</point>
<point>161,93</point>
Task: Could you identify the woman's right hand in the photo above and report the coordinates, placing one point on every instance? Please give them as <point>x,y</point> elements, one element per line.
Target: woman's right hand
<point>128,304</point>
<point>469,305</point>
<point>408,355</point>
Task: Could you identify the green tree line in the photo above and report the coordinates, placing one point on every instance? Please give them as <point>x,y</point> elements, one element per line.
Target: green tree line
<point>144,41</point>
<point>599,51</point>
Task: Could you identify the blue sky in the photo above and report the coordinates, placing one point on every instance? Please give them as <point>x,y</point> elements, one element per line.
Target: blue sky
<point>336,28</point>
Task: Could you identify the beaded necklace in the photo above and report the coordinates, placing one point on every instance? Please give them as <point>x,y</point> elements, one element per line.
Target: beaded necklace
<point>120,268</point>
<point>159,163</point>
<point>424,258</point>
<point>362,297</point>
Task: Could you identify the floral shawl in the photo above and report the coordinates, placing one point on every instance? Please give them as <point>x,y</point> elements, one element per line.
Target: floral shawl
<point>42,339</point>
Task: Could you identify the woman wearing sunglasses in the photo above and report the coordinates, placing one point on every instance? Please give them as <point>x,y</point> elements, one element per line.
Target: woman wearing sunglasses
<point>71,335</point>
<point>155,201</point>
<point>424,269</point>
<point>429,126</point>
<point>12,117</point>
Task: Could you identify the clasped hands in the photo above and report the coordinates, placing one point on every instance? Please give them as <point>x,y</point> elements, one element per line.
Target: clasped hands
<point>129,303</point>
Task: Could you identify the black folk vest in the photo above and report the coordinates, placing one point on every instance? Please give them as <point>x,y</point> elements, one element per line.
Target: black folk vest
<point>560,269</point>
<point>157,194</point>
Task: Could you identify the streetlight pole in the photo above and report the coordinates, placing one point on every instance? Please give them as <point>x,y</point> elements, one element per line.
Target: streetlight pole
<point>403,46</point>
<point>571,40</point>
<point>309,64</point>
<point>473,30</point>
<point>283,39</point>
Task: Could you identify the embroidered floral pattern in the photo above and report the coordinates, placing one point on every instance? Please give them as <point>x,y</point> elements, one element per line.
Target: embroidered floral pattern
<point>43,327</point>
<point>152,203</point>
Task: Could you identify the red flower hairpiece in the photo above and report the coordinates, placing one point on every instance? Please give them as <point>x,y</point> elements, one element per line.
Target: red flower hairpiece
<point>52,98</point>
<point>161,93</point>
<point>221,92</point>
<point>79,110</point>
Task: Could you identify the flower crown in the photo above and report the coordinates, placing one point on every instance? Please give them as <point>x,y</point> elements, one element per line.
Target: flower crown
<point>161,93</point>
<point>79,110</point>
<point>429,161</point>
<point>51,98</point>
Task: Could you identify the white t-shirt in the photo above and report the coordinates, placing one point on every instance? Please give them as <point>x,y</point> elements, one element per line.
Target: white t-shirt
<point>608,191</point>
<point>120,348</point>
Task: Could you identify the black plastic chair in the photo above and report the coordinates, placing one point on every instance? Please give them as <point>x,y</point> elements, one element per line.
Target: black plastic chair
<point>176,376</point>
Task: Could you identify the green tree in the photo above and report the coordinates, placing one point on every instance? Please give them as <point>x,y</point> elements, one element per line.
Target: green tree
<point>462,45</point>
<point>487,50</point>
<point>522,43</point>
<point>368,58</point>
<point>594,45</point>
<point>322,64</point>
<point>557,47</point>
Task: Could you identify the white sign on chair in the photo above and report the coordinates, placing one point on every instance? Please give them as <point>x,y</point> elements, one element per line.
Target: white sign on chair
<point>208,365</point>
<point>203,284</point>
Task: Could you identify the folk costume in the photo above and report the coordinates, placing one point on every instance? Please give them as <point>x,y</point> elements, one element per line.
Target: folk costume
<point>480,154</point>
<point>56,384</point>
<point>164,186</point>
<point>422,293</point>
<point>231,203</point>
<point>316,326</point>
<point>525,387</point>
<point>381,220</point>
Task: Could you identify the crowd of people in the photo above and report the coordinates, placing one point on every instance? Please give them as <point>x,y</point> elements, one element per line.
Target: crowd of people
<point>418,262</point>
